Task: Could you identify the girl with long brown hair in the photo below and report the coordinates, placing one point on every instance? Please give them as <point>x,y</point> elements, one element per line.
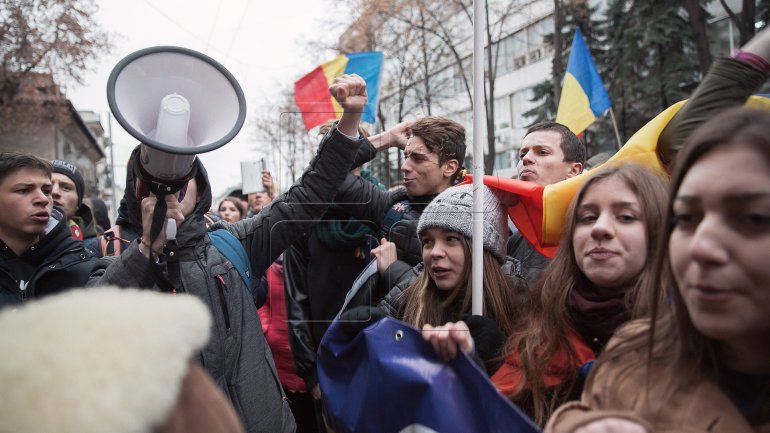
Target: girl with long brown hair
<point>701,362</point>
<point>232,209</point>
<point>441,292</point>
<point>587,291</point>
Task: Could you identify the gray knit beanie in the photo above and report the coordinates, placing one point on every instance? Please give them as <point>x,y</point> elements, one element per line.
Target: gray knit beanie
<point>453,210</point>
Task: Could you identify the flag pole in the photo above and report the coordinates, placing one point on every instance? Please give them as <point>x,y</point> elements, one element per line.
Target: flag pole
<point>615,127</point>
<point>479,122</point>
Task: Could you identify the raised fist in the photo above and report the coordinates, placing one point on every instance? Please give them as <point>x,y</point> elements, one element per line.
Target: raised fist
<point>350,92</point>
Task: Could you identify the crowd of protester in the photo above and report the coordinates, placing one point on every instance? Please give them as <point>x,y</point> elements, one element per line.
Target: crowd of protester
<point>653,315</point>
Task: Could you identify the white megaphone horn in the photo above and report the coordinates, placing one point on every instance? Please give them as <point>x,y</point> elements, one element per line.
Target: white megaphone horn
<point>178,103</point>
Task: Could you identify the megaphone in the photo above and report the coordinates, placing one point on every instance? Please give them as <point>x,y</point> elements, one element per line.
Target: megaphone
<point>178,103</point>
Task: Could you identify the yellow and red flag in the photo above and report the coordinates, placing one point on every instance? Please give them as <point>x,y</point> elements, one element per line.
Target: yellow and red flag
<point>541,213</point>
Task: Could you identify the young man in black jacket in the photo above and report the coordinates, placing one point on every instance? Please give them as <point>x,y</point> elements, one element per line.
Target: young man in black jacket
<point>38,254</point>
<point>237,355</point>
<point>317,280</point>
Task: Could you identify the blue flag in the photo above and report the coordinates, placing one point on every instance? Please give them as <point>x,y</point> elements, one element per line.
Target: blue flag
<point>388,379</point>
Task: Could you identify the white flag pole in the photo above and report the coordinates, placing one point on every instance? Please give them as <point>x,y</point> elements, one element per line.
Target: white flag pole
<point>479,124</point>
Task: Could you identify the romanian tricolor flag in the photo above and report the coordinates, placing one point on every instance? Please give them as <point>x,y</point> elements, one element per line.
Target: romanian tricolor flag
<point>583,97</point>
<point>311,92</point>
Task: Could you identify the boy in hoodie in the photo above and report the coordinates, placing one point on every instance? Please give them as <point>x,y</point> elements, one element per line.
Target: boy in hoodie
<point>39,255</point>
<point>237,355</point>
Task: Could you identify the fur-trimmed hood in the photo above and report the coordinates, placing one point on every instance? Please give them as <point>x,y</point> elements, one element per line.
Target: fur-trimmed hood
<point>97,360</point>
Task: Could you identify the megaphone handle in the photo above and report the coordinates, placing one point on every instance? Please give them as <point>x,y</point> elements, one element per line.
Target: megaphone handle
<point>158,218</point>
<point>158,223</point>
<point>172,256</point>
<point>172,265</point>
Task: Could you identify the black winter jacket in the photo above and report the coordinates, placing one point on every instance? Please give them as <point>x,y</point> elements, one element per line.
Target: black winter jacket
<point>532,262</point>
<point>317,277</point>
<point>237,356</point>
<point>59,261</point>
<point>366,202</point>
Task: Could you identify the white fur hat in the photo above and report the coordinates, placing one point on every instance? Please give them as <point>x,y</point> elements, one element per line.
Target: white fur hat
<point>96,360</point>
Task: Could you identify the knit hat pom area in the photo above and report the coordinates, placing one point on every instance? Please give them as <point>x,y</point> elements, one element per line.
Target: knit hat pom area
<point>453,210</point>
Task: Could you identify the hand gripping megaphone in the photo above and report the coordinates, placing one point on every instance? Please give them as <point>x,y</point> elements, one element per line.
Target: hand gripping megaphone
<point>178,103</point>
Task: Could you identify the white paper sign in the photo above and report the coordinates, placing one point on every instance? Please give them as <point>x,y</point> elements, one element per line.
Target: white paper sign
<point>251,176</point>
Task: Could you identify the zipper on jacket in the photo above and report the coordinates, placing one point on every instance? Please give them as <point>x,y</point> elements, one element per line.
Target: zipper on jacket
<point>221,286</point>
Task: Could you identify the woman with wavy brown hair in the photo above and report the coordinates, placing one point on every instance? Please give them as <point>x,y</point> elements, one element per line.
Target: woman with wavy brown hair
<point>592,286</point>
<point>587,291</point>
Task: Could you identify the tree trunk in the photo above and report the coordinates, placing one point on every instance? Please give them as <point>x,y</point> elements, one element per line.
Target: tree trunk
<point>425,64</point>
<point>489,100</point>
<point>698,23</point>
<point>661,87</point>
<point>558,66</point>
<point>744,24</point>
<point>748,16</point>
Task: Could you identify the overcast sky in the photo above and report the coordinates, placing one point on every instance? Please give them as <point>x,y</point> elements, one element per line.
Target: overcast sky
<point>260,42</point>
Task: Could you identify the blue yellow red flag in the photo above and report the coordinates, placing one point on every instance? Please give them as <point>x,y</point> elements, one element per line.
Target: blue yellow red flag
<point>583,97</point>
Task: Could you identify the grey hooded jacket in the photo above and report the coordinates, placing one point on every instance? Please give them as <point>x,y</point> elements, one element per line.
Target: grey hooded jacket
<point>237,356</point>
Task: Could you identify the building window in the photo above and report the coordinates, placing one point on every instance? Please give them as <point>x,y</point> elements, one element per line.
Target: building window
<point>526,46</point>
<point>503,112</point>
<point>720,32</point>
<point>522,102</point>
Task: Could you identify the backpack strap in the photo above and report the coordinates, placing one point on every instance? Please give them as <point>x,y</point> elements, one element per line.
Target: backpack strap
<point>393,216</point>
<point>233,250</point>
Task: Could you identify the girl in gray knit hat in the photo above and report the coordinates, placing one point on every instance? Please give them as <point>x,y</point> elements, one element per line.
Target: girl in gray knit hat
<point>441,293</point>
